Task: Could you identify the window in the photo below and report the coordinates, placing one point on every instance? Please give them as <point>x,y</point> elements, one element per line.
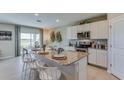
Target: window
<point>28,40</point>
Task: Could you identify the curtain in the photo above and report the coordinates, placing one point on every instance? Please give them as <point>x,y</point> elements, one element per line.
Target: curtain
<point>41,37</point>
<point>17,40</point>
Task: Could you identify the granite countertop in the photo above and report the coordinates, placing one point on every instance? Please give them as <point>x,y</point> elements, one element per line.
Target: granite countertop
<point>72,57</point>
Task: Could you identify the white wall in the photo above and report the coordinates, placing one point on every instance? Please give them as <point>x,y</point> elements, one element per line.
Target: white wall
<point>46,36</point>
<point>25,29</point>
<point>7,48</point>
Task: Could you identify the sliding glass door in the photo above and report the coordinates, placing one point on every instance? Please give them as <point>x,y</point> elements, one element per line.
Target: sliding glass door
<point>28,40</point>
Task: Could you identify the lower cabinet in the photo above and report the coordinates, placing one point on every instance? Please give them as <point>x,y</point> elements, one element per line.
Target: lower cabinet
<point>92,56</point>
<point>102,58</point>
<point>98,57</point>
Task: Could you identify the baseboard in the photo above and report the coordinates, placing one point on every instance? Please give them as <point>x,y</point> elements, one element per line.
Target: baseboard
<point>4,58</point>
<point>97,66</point>
<point>109,71</point>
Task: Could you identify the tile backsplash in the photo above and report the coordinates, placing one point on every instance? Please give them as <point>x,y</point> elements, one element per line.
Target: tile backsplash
<point>100,44</point>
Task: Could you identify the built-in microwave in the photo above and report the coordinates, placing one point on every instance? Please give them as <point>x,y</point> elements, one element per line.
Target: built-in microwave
<point>83,35</point>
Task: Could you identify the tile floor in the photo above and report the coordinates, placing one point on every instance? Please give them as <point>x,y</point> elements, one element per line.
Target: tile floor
<point>11,70</point>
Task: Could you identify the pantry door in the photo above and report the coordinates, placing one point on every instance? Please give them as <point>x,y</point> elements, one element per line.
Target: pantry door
<point>117,46</point>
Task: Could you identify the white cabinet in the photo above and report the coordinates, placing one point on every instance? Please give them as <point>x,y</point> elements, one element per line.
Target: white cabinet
<point>83,28</point>
<point>98,57</point>
<point>72,32</point>
<point>103,30</point>
<point>102,58</point>
<point>92,56</point>
<point>80,28</point>
<point>99,30</point>
<point>93,30</point>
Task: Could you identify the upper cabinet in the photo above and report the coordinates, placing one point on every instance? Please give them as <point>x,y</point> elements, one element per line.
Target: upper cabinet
<point>103,30</point>
<point>72,32</point>
<point>93,30</point>
<point>83,28</point>
<point>99,30</point>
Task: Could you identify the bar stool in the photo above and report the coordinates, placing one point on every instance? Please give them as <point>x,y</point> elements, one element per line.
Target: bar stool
<point>32,67</point>
<point>48,73</point>
<point>27,60</point>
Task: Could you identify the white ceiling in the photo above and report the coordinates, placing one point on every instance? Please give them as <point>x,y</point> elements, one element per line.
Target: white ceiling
<point>48,19</point>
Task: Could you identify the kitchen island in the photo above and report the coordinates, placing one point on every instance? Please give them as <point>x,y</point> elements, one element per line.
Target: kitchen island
<point>74,67</point>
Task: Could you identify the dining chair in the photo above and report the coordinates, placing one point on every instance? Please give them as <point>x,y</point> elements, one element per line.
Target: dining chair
<point>48,73</point>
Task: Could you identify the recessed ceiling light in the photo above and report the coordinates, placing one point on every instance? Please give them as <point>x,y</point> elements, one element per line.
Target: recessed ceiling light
<point>36,14</point>
<point>57,20</point>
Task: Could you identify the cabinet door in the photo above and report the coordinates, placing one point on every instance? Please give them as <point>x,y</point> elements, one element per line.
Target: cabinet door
<point>86,27</point>
<point>103,30</point>
<point>80,28</point>
<point>74,32</point>
<point>102,58</point>
<point>92,56</point>
<point>94,30</point>
<point>83,28</point>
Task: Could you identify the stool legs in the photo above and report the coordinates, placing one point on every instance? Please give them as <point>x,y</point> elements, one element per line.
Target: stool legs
<point>24,70</point>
